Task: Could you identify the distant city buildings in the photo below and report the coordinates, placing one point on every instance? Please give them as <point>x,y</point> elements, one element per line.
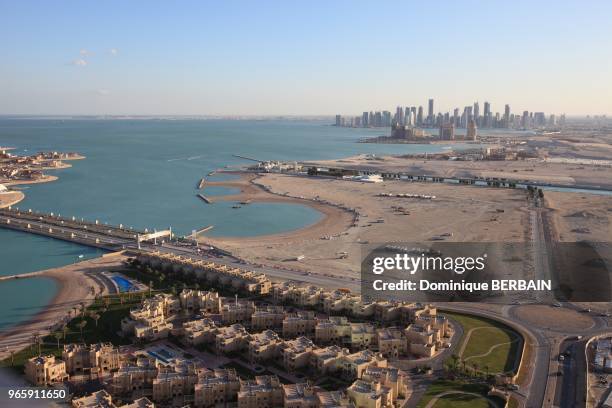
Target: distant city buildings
<point>470,119</point>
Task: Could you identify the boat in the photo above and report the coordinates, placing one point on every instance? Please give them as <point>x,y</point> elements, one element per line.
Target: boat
<point>236,206</point>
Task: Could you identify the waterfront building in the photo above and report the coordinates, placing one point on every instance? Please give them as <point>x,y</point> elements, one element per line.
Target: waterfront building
<point>45,370</point>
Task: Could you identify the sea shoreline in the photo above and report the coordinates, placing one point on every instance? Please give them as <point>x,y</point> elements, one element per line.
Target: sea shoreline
<point>74,283</point>
<point>253,190</point>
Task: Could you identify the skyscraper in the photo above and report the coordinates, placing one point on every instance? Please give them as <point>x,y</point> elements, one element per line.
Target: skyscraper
<point>364,119</point>
<point>420,116</point>
<point>507,116</point>
<point>472,130</point>
<point>430,112</point>
<point>399,115</point>
<point>477,113</point>
<point>487,115</point>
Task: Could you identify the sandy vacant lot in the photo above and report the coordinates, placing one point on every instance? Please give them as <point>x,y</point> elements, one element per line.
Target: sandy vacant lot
<point>458,213</point>
<point>578,217</point>
<point>532,170</point>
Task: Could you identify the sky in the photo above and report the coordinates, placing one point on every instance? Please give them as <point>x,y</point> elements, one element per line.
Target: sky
<point>302,57</point>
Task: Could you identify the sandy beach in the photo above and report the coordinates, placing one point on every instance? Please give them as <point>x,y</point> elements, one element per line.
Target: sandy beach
<point>10,198</point>
<point>75,284</point>
<point>333,245</point>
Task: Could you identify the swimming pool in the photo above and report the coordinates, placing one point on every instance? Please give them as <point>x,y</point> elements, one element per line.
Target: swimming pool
<point>123,284</point>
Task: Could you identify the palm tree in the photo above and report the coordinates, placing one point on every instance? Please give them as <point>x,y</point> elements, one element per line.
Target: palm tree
<point>95,318</point>
<point>475,367</point>
<point>58,335</point>
<point>150,287</point>
<point>81,326</point>
<point>65,331</point>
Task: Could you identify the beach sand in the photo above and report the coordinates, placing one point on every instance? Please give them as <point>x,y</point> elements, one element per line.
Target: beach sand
<point>75,283</point>
<point>10,198</point>
<point>333,246</point>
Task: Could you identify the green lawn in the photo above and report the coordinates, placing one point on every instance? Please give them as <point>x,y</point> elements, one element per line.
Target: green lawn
<point>457,400</point>
<point>488,333</point>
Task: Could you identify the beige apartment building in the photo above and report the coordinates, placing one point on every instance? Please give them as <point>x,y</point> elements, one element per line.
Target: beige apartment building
<point>297,353</point>
<point>264,346</point>
<point>174,382</point>
<point>201,331</point>
<point>198,301</point>
<point>334,330</point>
<point>262,392</point>
<point>327,360</point>
<point>299,324</point>
<point>134,380</point>
<point>237,311</point>
<point>95,358</point>
<point>267,318</point>
<point>353,365</point>
<point>216,387</point>
<point>232,339</point>
<point>370,395</point>
<point>45,370</point>
<point>391,377</point>
<point>392,342</point>
<point>299,396</point>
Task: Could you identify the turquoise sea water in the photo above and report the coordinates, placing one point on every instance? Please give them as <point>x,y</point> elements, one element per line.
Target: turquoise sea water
<point>144,173</point>
<point>23,298</point>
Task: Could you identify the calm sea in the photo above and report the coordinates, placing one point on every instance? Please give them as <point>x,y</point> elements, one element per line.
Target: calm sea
<point>143,173</point>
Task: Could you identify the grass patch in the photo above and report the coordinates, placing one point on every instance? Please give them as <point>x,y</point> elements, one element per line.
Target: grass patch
<point>489,333</point>
<point>458,400</point>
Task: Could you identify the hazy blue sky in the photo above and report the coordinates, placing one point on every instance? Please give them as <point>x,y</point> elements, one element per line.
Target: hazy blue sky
<point>289,57</point>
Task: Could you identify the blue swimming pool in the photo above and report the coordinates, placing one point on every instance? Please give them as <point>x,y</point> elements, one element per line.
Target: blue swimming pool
<point>123,284</point>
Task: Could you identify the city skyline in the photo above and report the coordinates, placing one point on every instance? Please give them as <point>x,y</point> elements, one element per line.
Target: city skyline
<point>270,58</point>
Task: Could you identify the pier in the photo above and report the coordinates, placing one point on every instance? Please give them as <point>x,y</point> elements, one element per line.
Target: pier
<point>247,158</point>
<point>94,234</point>
<point>205,199</point>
